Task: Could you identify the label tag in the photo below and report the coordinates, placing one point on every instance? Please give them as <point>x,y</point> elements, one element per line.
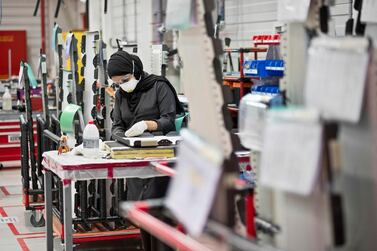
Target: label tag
<point>5,220</point>
<point>91,143</point>
<point>43,68</point>
<point>14,138</point>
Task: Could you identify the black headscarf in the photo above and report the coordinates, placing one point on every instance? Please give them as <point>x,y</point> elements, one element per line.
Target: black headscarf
<point>120,63</point>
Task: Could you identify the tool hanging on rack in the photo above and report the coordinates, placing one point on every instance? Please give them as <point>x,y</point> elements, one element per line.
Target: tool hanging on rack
<point>360,26</point>
<point>58,53</point>
<point>43,122</point>
<point>72,47</point>
<point>228,57</point>
<point>99,85</point>
<point>29,169</point>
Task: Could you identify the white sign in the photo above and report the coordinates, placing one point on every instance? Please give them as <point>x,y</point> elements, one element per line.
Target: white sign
<point>369,11</point>
<point>291,150</point>
<point>193,188</point>
<point>293,10</point>
<point>336,76</point>
<point>186,17</point>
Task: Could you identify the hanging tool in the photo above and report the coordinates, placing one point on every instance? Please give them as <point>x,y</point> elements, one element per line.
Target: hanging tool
<point>29,119</point>
<point>350,22</point>
<point>360,27</point>
<point>105,7</point>
<point>58,8</point>
<point>43,71</point>
<point>228,57</point>
<point>36,8</point>
<point>324,16</point>
<point>336,203</point>
<point>220,17</point>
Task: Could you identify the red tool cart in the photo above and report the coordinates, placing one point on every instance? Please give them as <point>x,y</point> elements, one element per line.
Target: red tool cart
<point>10,153</point>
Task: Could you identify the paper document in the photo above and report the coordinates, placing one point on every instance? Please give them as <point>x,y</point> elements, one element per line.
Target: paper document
<point>293,10</point>
<point>291,150</point>
<point>191,191</point>
<point>336,76</point>
<point>369,11</point>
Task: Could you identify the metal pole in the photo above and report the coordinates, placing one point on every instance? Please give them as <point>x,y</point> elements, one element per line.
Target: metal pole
<point>10,63</point>
<point>43,26</point>
<point>67,202</point>
<point>48,210</point>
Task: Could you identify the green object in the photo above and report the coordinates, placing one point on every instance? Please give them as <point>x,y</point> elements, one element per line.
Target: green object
<point>30,75</point>
<point>54,37</point>
<point>67,117</point>
<point>179,121</point>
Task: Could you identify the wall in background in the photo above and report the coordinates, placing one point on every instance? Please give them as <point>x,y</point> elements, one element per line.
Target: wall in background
<point>245,18</point>
<point>18,15</point>
<point>129,20</point>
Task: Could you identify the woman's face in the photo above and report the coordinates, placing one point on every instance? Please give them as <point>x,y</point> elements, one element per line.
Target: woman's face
<point>122,79</point>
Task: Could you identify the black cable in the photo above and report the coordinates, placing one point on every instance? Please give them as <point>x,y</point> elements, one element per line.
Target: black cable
<point>1,10</point>
<point>118,43</point>
<point>324,16</point>
<point>350,22</point>
<point>87,13</point>
<point>105,8</point>
<point>358,5</point>
<point>57,8</point>
<point>36,8</point>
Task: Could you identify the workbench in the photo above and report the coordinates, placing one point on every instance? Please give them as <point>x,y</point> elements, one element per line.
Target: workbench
<point>70,168</point>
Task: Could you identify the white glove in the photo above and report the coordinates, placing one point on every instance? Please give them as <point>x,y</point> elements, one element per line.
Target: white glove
<point>137,129</point>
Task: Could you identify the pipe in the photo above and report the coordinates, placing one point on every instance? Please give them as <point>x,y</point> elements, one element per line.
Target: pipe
<point>51,136</point>
<point>250,215</point>
<point>163,169</point>
<point>10,63</point>
<point>164,232</point>
<point>43,26</point>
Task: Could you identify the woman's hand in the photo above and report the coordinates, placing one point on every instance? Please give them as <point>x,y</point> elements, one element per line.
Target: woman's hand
<point>140,127</point>
<point>152,125</point>
<point>137,129</point>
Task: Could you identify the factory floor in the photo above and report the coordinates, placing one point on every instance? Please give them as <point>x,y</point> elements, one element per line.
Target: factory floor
<point>20,235</point>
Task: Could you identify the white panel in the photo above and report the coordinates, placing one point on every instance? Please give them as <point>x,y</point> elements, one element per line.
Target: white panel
<point>123,25</point>
<point>340,12</point>
<point>245,18</point>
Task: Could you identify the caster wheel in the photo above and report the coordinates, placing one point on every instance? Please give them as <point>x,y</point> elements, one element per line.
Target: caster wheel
<point>37,223</point>
<point>1,166</point>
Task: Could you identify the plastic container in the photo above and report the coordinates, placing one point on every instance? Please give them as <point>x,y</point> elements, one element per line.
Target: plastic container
<point>90,141</point>
<point>7,100</point>
<point>251,120</point>
<point>264,68</point>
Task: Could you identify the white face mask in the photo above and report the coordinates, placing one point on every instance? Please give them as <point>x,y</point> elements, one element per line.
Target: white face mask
<point>131,84</point>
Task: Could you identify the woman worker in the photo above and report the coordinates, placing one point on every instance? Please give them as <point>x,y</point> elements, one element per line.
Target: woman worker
<point>144,102</point>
